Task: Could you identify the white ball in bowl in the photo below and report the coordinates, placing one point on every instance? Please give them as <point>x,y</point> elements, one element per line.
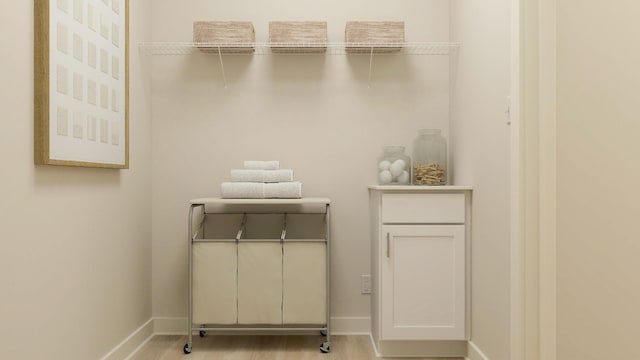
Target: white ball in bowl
<point>385,177</point>
<point>397,167</point>
<point>384,165</point>
<point>404,177</point>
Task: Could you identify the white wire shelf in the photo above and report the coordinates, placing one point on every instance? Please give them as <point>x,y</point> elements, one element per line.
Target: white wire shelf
<point>407,48</point>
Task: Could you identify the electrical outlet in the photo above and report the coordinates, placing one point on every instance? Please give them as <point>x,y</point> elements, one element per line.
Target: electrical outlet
<point>365,284</point>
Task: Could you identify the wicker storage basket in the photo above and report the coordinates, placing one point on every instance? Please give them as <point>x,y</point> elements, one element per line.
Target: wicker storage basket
<point>383,36</point>
<point>298,36</point>
<point>229,36</point>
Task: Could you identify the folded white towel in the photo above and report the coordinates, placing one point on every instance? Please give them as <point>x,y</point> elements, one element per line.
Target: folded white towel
<point>242,190</point>
<point>262,165</point>
<point>263,176</point>
<point>284,190</point>
<point>248,190</point>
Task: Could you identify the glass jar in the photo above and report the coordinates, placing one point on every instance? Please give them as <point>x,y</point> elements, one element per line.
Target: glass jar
<point>394,166</point>
<point>430,158</point>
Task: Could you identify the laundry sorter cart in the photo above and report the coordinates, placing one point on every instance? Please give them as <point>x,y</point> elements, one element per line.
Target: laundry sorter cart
<point>259,265</point>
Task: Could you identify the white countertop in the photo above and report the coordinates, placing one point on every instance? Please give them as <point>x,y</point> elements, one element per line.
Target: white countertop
<point>302,201</point>
<point>420,188</point>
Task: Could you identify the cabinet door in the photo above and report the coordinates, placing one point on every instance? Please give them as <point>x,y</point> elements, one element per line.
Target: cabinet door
<point>422,282</point>
<point>215,269</point>
<point>259,283</point>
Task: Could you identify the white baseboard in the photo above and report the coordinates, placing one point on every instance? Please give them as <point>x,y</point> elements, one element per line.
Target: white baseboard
<point>373,346</point>
<point>178,326</point>
<point>428,348</point>
<point>339,326</point>
<point>132,343</point>
<point>474,353</point>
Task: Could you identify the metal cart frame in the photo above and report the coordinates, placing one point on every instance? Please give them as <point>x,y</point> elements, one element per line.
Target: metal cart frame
<point>202,329</point>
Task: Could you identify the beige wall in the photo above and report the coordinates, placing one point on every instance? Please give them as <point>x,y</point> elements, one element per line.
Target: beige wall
<point>75,244</point>
<point>80,280</point>
<point>598,173</point>
<point>315,114</point>
<point>481,138</point>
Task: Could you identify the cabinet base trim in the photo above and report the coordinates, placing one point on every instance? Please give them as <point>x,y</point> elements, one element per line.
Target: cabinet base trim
<point>436,348</point>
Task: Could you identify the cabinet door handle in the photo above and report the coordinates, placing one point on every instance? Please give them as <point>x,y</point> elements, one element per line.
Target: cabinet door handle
<point>388,247</point>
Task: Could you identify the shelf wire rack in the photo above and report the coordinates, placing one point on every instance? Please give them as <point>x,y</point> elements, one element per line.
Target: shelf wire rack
<point>330,48</point>
<point>309,49</point>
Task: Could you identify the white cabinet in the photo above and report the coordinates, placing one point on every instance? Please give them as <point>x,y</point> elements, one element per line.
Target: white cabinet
<point>422,282</point>
<point>419,262</point>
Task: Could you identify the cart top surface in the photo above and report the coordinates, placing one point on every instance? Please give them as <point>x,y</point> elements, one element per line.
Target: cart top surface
<point>302,201</point>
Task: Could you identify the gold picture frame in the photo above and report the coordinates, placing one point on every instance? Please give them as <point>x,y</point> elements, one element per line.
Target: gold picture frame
<point>81,95</point>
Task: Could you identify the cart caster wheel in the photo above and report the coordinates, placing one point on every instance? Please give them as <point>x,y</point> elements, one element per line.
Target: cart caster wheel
<point>323,332</point>
<point>325,348</point>
<point>203,333</point>
<point>187,349</point>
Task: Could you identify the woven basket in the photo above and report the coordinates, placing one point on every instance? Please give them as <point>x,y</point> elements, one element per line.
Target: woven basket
<point>381,36</point>
<point>228,36</point>
<point>298,36</point>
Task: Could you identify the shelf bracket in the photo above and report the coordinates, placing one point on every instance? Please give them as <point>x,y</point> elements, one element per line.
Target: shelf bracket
<point>224,77</point>
<point>370,67</point>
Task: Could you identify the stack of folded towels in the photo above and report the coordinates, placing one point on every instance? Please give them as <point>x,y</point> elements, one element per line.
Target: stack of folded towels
<point>262,180</point>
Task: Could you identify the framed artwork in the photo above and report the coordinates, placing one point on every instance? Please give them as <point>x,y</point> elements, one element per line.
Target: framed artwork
<point>82,83</point>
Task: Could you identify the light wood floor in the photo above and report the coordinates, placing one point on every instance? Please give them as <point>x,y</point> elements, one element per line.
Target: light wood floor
<point>286,347</point>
